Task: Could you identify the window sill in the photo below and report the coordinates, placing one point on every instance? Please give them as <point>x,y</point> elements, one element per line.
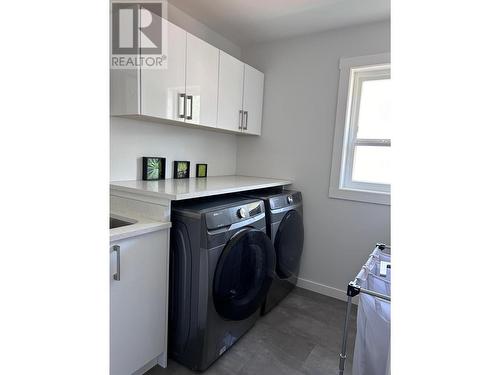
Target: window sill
<point>360,196</point>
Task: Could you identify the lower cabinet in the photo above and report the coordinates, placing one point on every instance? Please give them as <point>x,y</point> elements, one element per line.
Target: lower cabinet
<point>138,296</point>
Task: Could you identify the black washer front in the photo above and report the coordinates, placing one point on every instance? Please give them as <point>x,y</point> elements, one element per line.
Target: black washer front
<point>244,274</point>
<point>288,243</point>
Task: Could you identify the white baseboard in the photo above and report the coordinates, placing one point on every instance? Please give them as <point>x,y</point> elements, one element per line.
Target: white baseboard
<point>325,290</point>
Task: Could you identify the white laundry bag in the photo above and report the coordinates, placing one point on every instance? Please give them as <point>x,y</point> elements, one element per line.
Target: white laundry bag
<point>373,263</point>
<point>373,336</point>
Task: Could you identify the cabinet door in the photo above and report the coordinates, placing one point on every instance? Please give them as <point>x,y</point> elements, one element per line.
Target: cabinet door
<point>253,95</point>
<point>230,105</point>
<point>124,92</point>
<point>124,87</point>
<point>138,302</point>
<point>163,89</point>
<point>202,76</point>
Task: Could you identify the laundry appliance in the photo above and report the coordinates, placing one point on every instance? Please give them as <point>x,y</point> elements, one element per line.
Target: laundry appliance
<point>285,228</point>
<point>221,268</point>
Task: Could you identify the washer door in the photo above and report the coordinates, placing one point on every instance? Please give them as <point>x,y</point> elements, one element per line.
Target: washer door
<point>244,274</point>
<point>288,243</point>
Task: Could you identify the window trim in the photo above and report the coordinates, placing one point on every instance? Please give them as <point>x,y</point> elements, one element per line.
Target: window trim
<point>343,134</point>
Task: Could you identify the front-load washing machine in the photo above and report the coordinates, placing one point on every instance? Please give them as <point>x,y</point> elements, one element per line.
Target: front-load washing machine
<point>285,228</point>
<point>221,267</point>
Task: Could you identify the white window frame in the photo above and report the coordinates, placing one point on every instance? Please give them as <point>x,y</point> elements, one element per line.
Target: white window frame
<point>353,72</point>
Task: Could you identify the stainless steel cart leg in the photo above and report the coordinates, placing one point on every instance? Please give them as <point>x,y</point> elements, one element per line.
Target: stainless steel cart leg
<point>343,353</point>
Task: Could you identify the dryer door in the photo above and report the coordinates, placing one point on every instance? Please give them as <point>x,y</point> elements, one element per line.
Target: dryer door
<point>288,243</point>
<point>243,275</point>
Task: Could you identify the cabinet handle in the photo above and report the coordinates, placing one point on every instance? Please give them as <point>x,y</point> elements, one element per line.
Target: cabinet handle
<point>240,119</point>
<point>190,116</point>
<point>182,99</point>
<point>245,115</point>
<point>116,276</point>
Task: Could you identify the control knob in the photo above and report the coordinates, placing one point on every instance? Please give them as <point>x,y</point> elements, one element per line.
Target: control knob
<point>242,213</point>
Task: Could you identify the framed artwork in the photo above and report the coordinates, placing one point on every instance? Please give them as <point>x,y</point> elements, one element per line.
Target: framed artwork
<point>153,168</point>
<point>201,170</point>
<point>181,169</point>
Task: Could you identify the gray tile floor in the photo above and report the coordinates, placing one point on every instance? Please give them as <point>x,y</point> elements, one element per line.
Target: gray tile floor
<point>302,335</point>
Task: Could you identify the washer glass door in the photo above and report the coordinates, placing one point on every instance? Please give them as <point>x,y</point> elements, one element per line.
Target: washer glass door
<point>288,243</point>
<point>243,275</point>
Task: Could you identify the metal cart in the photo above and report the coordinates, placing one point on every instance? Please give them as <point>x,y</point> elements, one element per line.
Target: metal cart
<point>353,289</point>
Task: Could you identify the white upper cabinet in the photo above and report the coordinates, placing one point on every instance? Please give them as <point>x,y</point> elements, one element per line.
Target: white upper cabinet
<point>241,90</point>
<point>202,77</point>
<point>125,98</point>
<point>162,90</point>
<point>124,83</point>
<point>201,86</point>
<point>253,95</point>
<point>230,106</point>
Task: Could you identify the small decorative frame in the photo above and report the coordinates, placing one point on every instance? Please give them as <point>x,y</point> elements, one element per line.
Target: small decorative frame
<point>201,170</point>
<point>181,169</point>
<point>153,168</point>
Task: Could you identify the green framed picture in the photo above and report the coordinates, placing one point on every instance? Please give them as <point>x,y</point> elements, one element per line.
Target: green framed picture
<point>181,169</point>
<point>201,170</point>
<point>153,168</point>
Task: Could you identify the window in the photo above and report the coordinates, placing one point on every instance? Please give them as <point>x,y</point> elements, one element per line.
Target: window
<point>362,142</point>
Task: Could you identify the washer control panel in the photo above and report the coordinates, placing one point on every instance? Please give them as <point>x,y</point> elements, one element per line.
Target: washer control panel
<point>235,214</point>
<point>286,199</point>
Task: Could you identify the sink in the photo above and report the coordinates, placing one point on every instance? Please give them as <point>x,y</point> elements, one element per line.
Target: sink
<point>117,223</point>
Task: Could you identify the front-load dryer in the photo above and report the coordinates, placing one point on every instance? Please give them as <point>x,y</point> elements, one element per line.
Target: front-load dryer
<point>285,228</point>
<point>221,267</point>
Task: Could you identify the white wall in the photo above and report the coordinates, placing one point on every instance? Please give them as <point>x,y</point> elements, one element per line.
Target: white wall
<point>132,139</point>
<point>195,27</point>
<point>298,124</point>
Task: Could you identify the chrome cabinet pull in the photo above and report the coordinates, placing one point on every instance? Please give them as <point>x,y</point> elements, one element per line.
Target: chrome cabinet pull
<point>182,99</point>
<point>190,98</point>
<point>240,125</point>
<point>116,276</point>
<point>245,115</point>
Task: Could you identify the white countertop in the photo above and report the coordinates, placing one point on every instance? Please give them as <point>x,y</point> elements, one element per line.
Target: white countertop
<point>140,226</point>
<point>179,189</point>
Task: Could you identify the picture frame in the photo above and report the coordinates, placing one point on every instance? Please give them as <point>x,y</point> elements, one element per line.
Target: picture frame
<point>201,170</point>
<point>181,169</point>
<point>153,168</point>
